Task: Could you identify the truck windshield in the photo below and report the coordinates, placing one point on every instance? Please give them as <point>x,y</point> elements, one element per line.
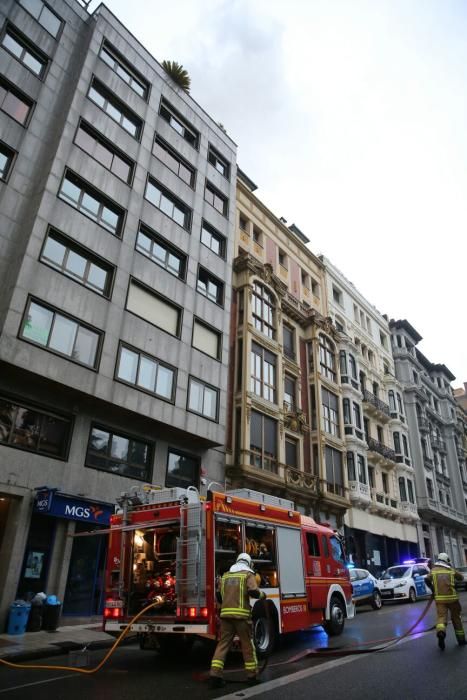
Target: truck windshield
<point>395,572</point>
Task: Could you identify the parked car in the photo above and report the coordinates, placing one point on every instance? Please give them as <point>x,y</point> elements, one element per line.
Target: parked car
<point>365,588</point>
<point>404,582</point>
<point>462,585</point>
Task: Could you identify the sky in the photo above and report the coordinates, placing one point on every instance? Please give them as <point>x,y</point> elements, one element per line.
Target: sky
<point>351,117</point>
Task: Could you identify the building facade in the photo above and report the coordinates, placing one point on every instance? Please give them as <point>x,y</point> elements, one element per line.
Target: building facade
<point>434,434</point>
<point>381,524</point>
<point>117,200</point>
<point>287,432</point>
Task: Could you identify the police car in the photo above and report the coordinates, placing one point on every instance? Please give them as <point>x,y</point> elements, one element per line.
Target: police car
<point>365,588</point>
<point>404,582</point>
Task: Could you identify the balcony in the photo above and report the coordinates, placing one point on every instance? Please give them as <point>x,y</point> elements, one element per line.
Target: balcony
<point>448,514</point>
<point>423,424</point>
<point>269,473</point>
<point>408,511</point>
<point>381,449</point>
<point>359,493</point>
<point>376,404</point>
<point>380,502</point>
<point>438,444</point>
<point>302,480</point>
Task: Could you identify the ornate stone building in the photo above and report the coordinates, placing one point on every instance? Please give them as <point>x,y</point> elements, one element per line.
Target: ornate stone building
<point>381,524</point>
<point>287,431</point>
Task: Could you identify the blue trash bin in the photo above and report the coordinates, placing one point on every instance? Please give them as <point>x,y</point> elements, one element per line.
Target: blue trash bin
<point>18,618</point>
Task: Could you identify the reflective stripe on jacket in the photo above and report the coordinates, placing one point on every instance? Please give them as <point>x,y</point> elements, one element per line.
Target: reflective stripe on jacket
<point>236,589</point>
<point>442,580</point>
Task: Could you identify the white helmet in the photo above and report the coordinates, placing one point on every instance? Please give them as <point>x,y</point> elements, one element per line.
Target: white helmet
<point>444,557</point>
<point>245,558</point>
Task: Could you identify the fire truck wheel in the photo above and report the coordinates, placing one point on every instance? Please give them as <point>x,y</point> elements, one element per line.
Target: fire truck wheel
<point>335,625</point>
<point>265,631</point>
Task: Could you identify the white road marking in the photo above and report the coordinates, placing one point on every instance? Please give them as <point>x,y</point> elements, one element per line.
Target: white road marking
<point>306,673</point>
<point>28,685</point>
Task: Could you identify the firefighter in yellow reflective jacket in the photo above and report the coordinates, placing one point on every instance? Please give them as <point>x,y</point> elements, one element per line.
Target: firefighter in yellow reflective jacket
<point>237,586</point>
<point>442,580</point>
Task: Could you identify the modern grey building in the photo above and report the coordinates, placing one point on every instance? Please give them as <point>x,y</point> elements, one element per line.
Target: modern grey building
<point>117,203</point>
<point>437,454</point>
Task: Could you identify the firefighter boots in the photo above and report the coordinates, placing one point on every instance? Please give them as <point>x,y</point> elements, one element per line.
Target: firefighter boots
<point>441,636</point>
<point>216,682</point>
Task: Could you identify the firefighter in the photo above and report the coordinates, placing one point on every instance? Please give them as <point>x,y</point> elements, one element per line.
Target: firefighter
<point>441,580</point>
<point>236,588</point>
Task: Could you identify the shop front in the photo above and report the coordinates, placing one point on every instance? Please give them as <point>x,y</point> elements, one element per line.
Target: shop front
<point>56,562</point>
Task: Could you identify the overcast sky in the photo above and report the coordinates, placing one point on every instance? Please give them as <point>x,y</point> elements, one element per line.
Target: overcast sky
<point>351,117</point>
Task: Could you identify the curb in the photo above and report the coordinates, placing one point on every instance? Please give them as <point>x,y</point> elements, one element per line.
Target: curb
<point>45,652</point>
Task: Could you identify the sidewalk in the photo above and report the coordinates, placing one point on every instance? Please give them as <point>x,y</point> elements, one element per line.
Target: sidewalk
<point>35,645</point>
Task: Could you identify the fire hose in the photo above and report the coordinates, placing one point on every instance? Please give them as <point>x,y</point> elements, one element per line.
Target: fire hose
<point>362,648</point>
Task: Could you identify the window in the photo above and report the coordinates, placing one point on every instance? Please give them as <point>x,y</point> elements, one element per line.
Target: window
<point>263,373</point>
<point>17,44</point>
<point>216,199</point>
<point>257,236</point>
<point>355,312</point>
<point>93,204</point>
<point>77,262</point>
<point>288,341</point>
<point>168,203</point>
<point>383,339</point>
<point>263,310</point>
<point>312,544</point>
<point>218,162</point>
<point>263,442</point>
<point>384,478</point>
<point>397,443</point>
<point>337,295</point>
<point>34,430</point>
<point>243,222</point>
<point>346,410</point>
<point>203,399</point>
<point>361,469</point>
<point>371,477</point>
<point>104,152</point>
<point>330,412</point>
<point>174,161</point>
<point>44,326</point>
<point>145,372</point>
<point>315,292</point>
<point>7,156</point>
<point>351,466</point>
<point>379,432</point>
<point>411,491</point>
<point>151,307</point>
<point>119,454</point>
<point>282,259</point>
<point>213,239</point>
<point>405,445</point>
<point>207,339</point>
<point>392,401</point>
<point>153,246</point>
<point>291,453</point>
<point>352,366</point>
<point>210,286</point>
<point>327,358</point>
<point>177,122</point>
<point>336,550</point>
<point>334,475</point>
<point>14,103</point>
<point>399,404</point>
<point>343,362</point>
<point>357,416</point>
<point>305,280</point>
<point>115,108</point>
<point>289,392</point>
<point>44,15</point>
<point>123,69</point>
<point>402,489</point>
<point>182,470</point>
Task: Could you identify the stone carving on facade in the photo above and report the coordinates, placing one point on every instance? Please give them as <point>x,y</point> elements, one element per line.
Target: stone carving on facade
<point>296,421</point>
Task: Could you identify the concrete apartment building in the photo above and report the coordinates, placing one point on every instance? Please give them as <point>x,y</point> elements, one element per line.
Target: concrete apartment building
<point>117,200</point>
<point>287,431</point>
<point>435,427</point>
<point>380,526</point>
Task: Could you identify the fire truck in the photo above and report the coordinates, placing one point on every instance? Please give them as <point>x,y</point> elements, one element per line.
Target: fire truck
<point>170,547</point>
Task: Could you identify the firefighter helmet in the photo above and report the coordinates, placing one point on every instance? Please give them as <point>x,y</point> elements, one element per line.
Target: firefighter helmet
<point>444,557</point>
<point>244,557</point>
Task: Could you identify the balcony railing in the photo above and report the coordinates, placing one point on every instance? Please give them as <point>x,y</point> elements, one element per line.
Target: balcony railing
<point>408,510</point>
<point>448,511</point>
<point>383,450</point>
<point>377,403</point>
<point>295,477</point>
<point>282,472</point>
<point>359,491</point>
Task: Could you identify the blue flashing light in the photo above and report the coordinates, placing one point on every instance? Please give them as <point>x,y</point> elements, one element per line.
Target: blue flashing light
<point>409,561</point>
<point>350,565</point>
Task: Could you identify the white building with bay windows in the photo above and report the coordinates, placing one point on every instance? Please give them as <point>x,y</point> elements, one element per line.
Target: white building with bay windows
<point>381,523</point>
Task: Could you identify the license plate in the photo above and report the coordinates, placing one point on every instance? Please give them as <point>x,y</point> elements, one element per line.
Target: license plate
<point>387,594</point>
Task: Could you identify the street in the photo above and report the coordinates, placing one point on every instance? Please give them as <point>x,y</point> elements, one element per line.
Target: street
<point>414,669</point>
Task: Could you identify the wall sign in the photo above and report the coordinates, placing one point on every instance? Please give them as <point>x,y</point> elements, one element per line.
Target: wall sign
<point>62,506</point>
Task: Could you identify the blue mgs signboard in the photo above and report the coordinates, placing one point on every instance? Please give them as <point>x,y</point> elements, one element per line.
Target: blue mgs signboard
<point>50,502</point>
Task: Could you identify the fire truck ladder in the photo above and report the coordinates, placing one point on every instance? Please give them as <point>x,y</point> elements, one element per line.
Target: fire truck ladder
<point>191,555</point>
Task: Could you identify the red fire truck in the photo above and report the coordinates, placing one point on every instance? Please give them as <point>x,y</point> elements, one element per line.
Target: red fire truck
<point>170,547</point>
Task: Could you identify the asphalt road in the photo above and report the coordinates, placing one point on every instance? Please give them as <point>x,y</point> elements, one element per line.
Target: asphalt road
<point>413,669</point>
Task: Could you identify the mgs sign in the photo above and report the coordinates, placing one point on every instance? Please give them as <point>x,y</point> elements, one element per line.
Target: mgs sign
<point>83,513</point>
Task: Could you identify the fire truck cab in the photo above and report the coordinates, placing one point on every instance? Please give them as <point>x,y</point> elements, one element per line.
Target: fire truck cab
<point>170,547</point>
